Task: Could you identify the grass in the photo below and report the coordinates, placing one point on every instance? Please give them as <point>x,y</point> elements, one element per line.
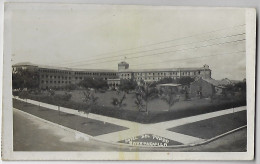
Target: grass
<point>82,124</point>
<point>213,127</point>
<point>156,105</point>
<point>157,108</point>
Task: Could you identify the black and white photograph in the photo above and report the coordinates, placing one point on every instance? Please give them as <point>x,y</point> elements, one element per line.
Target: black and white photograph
<point>122,81</point>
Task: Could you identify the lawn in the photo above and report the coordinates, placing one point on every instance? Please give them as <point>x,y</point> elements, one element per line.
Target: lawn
<point>82,124</point>
<point>157,108</point>
<point>212,127</point>
<point>156,105</point>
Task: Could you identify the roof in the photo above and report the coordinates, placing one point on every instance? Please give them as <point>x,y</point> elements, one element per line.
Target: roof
<point>123,63</point>
<point>24,64</point>
<point>214,82</point>
<point>165,69</point>
<point>169,85</point>
<point>225,81</point>
<point>63,68</point>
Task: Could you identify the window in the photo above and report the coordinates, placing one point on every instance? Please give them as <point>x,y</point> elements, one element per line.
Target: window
<point>42,81</point>
<point>42,76</point>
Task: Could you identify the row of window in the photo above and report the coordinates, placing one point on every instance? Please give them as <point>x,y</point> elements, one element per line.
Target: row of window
<point>54,71</point>
<point>59,77</point>
<point>162,73</point>
<point>56,82</point>
<point>151,78</point>
<point>94,73</point>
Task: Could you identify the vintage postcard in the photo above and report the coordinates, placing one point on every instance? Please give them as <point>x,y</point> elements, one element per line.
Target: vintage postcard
<point>122,82</point>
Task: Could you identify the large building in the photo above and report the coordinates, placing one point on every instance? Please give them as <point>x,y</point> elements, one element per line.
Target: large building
<point>54,77</point>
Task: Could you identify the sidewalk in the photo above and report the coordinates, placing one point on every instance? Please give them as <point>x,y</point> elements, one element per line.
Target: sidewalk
<point>132,129</point>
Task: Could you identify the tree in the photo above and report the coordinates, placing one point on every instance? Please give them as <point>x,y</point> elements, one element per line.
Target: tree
<point>127,85</point>
<point>185,80</point>
<point>146,94</point>
<point>119,102</point>
<point>90,100</point>
<point>96,83</point>
<point>25,79</point>
<point>169,97</point>
<point>24,95</point>
<point>66,97</point>
<point>70,87</point>
<point>51,92</point>
<point>139,102</point>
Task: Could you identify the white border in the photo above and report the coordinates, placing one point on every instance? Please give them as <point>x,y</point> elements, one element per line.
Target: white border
<point>7,132</point>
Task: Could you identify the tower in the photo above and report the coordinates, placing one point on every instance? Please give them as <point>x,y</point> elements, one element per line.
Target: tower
<point>122,66</point>
<point>206,71</point>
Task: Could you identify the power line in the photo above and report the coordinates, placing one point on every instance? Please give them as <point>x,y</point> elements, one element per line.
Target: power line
<point>166,52</point>
<point>160,48</point>
<point>185,37</point>
<point>188,58</point>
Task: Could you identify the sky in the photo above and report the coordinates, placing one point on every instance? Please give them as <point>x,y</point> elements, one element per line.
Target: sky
<point>100,36</point>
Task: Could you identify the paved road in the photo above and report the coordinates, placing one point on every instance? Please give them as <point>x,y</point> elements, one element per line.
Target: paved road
<point>31,134</point>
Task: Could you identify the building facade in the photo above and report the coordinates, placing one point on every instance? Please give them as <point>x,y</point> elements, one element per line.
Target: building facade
<point>151,75</point>
<point>54,77</point>
<point>206,87</point>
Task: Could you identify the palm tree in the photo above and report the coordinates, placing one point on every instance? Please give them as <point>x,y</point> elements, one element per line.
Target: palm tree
<point>146,93</point>
<point>169,97</point>
<point>119,102</point>
<point>139,102</point>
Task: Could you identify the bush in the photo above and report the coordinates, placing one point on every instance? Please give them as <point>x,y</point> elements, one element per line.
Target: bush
<point>70,87</point>
<point>16,93</point>
<point>127,85</point>
<point>24,95</point>
<point>95,83</point>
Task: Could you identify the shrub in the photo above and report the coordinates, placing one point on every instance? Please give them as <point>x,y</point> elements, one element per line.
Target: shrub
<point>24,95</point>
